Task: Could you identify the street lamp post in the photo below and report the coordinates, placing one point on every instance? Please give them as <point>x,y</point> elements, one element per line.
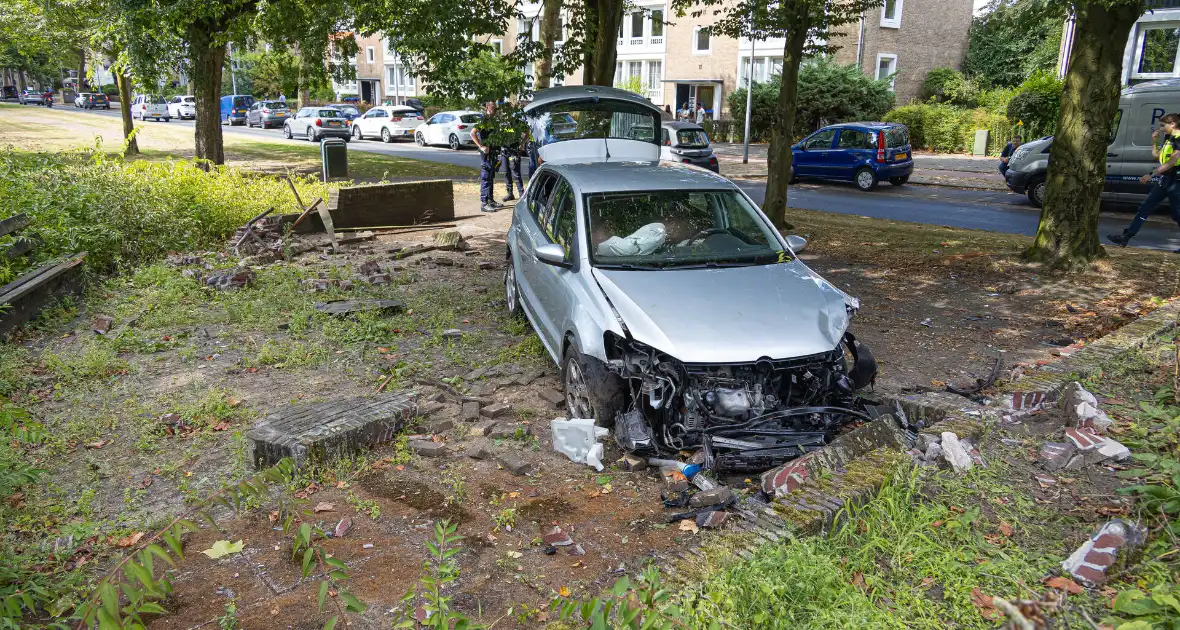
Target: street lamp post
<point>749,91</point>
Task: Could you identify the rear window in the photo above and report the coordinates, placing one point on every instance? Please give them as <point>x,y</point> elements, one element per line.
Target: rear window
<point>243,101</point>
<point>328,113</point>
<point>897,137</point>
<point>692,138</point>
<point>155,100</point>
<point>471,118</point>
<point>275,105</point>
<point>189,99</point>
<point>348,109</point>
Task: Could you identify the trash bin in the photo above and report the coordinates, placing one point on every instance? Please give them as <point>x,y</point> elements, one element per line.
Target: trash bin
<point>980,145</point>
<point>334,153</point>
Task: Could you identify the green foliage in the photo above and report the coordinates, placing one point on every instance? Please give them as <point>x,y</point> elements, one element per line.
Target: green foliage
<point>1037,103</point>
<point>126,213</point>
<point>633,605</point>
<point>947,85</point>
<point>633,83</point>
<point>427,594</point>
<point>1135,610</point>
<point>490,77</point>
<point>1013,40</point>
<point>273,72</point>
<point>946,128</point>
<point>828,93</point>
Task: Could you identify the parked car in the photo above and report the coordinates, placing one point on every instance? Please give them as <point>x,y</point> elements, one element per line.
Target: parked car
<point>450,128</point>
<point>315,123</point>
<point>862,152</point>
<point>387,122</point>
<point>28,97</point>
<point>234,108</point>
<point>350,111</point>
<point>8,91</point>
<point>687,143</point>
<point>267,114</point>
<point>81,98</point>
<point>97,100</point>
<point>673,306</point>
<point>182,106</point>
<point>146,106</point>
<point>1128,152</point>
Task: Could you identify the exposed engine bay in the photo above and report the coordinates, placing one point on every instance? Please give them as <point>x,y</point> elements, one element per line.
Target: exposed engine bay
<point>747,417</point>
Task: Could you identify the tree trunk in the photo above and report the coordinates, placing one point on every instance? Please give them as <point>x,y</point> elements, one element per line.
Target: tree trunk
<point>779,156</point>
<point>81,69</point>
<point>206,64</point>
<point>1068,233</point>
<point>550,23</point>
<point>124,82</point>
<point>603,18</point>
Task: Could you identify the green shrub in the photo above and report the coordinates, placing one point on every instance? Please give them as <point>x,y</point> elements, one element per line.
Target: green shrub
<point>764,104</point>
<point>125,213</point>
<point>1037,103</point>
<point>948,129</point>
<point>947,85</point>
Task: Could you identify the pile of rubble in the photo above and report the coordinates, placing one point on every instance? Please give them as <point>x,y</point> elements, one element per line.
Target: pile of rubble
<point>1085,442</point>
<point>946,449</point>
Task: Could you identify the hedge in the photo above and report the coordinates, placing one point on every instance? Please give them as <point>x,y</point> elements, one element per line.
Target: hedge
<point>948,129</point>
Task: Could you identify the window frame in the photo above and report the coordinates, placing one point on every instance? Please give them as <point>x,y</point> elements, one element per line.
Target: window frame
<point>806,144</point>
<point>370,54</point>
<point>657,22</point>
<point>895,21</point>
<point>1141,40</point>
<point>869,137</point>
<point>892,69</point>
<point>696,41</point>
<point>536,207</point>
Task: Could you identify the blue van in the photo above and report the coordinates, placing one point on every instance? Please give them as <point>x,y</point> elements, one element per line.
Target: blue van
<point>863,153</point>
<point>234,108</point>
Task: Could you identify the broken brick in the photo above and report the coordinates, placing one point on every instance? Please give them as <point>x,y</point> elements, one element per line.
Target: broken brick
<point>102,324</point>
<point>1055,455</point>
<point>471,410</point>
<point>495,411</point>
<point>712,519</point>
<point>1083,439</point>
<point>426,448</point>
<point>1114,546</point>
<point>510,431</point>
<point>557,537</point>
<point>717,496</point>
<point>632,463</point>
<point>553,397</point>
<point>482,429</point>
<point>514,463</point>
<point>480,449</point>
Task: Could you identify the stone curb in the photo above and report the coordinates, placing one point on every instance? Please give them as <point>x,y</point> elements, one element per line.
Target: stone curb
<point>810,494</point>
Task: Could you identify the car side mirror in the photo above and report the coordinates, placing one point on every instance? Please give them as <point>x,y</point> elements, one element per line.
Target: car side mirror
<point>796,243</point>
<point>552,254</point>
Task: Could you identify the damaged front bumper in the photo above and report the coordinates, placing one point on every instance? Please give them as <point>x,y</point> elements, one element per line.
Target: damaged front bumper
<point>745,417</point>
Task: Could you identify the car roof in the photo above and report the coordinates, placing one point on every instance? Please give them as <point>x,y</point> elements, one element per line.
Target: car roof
<point>678,125</point>
<point>581,92</point>
<point>1161,85</point>
<point>458,112</point>
<point>596,177</point>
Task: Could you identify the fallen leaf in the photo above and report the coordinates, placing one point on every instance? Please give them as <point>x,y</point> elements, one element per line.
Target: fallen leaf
<point>223,548</point>
<point>984,604</point>
<point>377,466</point>
<point>564,591</point>
<point>927,581</point>
<point>937,524</point>
<point>233,402</point>
<point>937,383</point>
<point>858,580</point>
<point>688,525</point>
<point>274,516</point>
<point>1005,528</point>
<point>399,467</point>
<point>274,611</point>
<point>957,510</point>
<point>341,484</point>
<point>220,426</point>
<point>323,507</point>
<point>147,481</point>
<point>129,540</point>
<point>1064,584</point>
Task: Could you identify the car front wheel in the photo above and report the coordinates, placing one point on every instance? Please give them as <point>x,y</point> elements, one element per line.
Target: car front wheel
<point>591,391</point>
<point>866,179</point>
<point>287,132</point>
<point>453,142</point>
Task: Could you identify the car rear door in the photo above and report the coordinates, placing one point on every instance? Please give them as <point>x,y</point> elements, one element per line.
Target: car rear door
<point>555,222</point>
<point>528,236</point>
<point>815,151</point>
<point>852,150</point>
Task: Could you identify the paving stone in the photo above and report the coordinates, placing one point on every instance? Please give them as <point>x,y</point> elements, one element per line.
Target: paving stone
<point>441,425</point>
<point>482,429</point>
<point>480,449</point>
<point>514,463</point>
<point>426,448</point>
<point>431,407</point>
<point>1055,455</point>
<point>471,410</point>
<point>716,496</point>
<point>632,463</point>
<point>495,411</point>
<point>509,431</point>
<point>477,373</point>
<point>328,430</point>
<point>1115,545</point>
<point>555,398</point>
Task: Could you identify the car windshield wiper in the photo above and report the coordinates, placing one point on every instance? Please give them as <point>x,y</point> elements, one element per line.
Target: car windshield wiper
<point>712,264</point>
<point>629,267</point>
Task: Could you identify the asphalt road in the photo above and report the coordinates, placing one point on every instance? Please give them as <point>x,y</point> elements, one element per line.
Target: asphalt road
<point>953,207</point>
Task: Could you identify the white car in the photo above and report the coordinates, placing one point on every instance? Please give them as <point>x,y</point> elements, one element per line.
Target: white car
<point>450,128</point>
<point>387,122</point>
<point>80,99</point>
<point>182,107</point>
<point>147,106</point>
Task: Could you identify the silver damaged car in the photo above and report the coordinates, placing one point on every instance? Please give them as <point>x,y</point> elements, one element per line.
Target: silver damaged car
<point>677,313</point>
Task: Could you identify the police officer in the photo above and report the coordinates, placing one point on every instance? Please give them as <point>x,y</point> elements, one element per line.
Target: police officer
<point>481,136</point>
<point>514,138</point>
<point>1168,154</point>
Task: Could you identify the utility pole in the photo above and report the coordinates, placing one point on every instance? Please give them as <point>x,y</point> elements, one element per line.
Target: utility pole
<point>233,78</point>
<point>749,91</point>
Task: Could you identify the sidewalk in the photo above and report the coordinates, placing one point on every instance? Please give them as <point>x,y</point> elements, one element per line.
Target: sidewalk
<point>935,169</point>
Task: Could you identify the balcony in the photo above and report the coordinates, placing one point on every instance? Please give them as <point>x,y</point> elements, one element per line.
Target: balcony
<point>657,41</point>
<point>656,95</point>
<point>636,41</point>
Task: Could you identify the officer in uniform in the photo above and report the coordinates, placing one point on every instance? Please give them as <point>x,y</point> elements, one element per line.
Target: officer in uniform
<point>1167,187</point>
<point>481,136</point>
<point>514,138</point>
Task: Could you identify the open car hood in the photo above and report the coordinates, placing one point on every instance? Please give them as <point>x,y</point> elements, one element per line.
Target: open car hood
<point>729,315</point>
<point>635,125</point>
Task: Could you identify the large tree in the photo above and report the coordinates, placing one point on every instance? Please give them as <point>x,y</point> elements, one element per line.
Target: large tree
<point>1011,39</point>
<point>807,27</point>
<point>1067,236</point>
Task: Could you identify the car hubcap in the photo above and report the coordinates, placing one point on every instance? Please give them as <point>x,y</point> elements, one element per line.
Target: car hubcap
<point>1039,193</point>
<point>577,400</point>
<point>510,288</point>
<point>419,140</point>
<point>865,179</point>
<point>454,142</point>
<point>356,133</point>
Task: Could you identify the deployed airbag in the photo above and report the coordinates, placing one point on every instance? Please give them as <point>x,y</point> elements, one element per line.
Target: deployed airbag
<point>641,242</point>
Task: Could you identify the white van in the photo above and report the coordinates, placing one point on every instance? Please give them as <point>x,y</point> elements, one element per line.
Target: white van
<point>150,106</point>
<point>1128,154</point>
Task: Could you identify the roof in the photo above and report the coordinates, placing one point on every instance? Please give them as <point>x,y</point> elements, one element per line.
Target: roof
<point>678,125</point>
<point>462,111</point>
<point>873,124</point>
<point>597,177</point>
<point>1162,85</point>
<point>582,92</point>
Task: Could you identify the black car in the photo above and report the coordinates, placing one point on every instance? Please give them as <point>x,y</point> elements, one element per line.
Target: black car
<point>97,101</point>
<point>8,91</point>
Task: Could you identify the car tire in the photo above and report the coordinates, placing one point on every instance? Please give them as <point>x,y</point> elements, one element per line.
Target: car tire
<point>310,135</point>
<point>347,139</point>
<point>386,137</point>
<point>167,119</point>
<point>419,139</point>
<point>287,132</point>
<point>865,179</point>
<point>453,142</point>
<point>591,391</point>
<point>1036,191</point>
<point>512,289</point>
<point>356,132</point>
<point>899,181</point>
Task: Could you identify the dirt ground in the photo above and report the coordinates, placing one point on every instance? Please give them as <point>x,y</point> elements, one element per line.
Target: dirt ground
<point>936,304</point>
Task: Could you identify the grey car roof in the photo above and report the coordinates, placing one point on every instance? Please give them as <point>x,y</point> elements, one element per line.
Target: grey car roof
<point>596,177</point>
<point>579,92</point>
<point>1162,85</point>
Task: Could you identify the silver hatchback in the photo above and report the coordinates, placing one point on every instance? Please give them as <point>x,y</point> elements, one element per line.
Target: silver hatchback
<point>316,123</point>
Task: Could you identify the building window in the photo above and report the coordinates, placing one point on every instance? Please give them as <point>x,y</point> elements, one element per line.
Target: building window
<point>618,73</point>
<point>887,68</point>
<point>891,14</point>
<point>1157,51</point>
<point>369,56</point>
<point>655,75</point>
<point>657,23</point>
<point>398,79</point>
<point>634,69</point>
<point>637,24</point>
<point>497,46</point>
<point>700,40</point>
<point>765,69</point>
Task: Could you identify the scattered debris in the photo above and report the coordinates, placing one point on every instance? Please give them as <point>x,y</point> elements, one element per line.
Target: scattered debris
<point>483,429</point>
<point>514,463</point>
<point>345,307</point>
<point>980,383</point>
<point>427,448</point>
<point>323,507</point>
<point>1114,545</point>
<point>480,449</point>
<point>102,324</point>
<point>557,538</point>
<point>452,333</point>
<point>230,280</point>
<point>631,463</point>
<point>495,411</point>
<point>956,453</point>
<point>342,527</point>
<point>577,439</point>
<point>553,397</point>
<point>721,495</point>
<point>1081,409</point>
<point>1056,455</point>
<point>450,239</point>
<point>712,519</point>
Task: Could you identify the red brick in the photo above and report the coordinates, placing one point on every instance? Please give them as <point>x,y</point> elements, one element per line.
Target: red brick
<point>1100,559</point>
<point>1089,574</point>
<point>1108,541</point>
<point>1083,438</point>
